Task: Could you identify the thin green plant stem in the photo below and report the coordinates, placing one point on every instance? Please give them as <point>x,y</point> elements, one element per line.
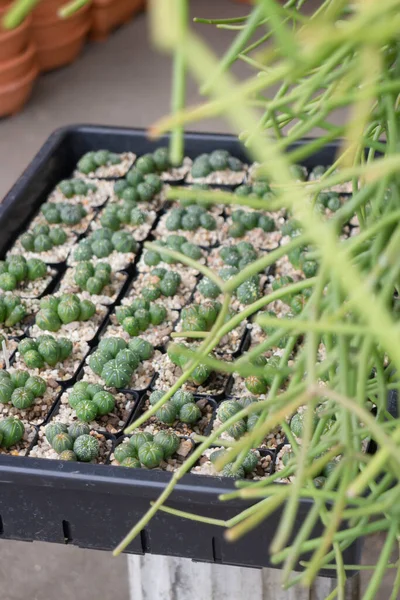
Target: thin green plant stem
<point>69,9</point>
<point>18,12</point>
<point>176,148</point>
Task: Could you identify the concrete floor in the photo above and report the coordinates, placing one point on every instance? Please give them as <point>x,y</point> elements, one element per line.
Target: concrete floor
<point>121,82</point>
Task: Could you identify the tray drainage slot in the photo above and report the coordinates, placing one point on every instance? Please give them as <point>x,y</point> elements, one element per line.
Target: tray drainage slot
<point>145,540</point>
<point>217,555</point>
<point>1,526</point>
<point>66,527</point>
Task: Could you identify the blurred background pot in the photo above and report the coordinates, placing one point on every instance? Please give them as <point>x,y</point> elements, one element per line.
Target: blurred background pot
<point>15,41</point>
<point>14,95</point>
<point>16,68</point>
<point>63,51</point>
<point>109,14</point>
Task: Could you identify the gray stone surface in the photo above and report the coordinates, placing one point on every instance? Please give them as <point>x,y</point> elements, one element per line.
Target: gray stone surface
<point>41,571</point>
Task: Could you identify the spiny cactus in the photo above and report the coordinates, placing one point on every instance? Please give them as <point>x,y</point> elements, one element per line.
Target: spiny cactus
<point>56,311</point>
<point>44,350</point>
<point>86,448</point>
<point>11,432</point>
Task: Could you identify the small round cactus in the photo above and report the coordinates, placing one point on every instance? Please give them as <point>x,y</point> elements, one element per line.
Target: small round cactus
<point>53,429</point>
<point>33,359</point>
<point>86,448</point>
<point>36,385</point>
<point>76,397</point>
<point>229,471</point>
<point>227,409</point>
<point>19,377</point>
<point>181,397</point>
<point>116,374</point>
<point>97,361</point>
<point>189,413</point>
<point>68,455</point>
<point>150,455</point>
<point>252,422</point>
<point>128,357</point>
<point>12,431</point>
<point>104,402</point>
<point>112,345</point>
<point>156,397</point>
<point>131,462</point>
<point>167,413</point>
<point>142,348</point>
<point>168,441</point>
<point>48,320</point>
<point>250,462</point>
<point>123,451</point>
<point>256,385</point>
<point>61,441</point>
<point>86,411</point>
<point>77,429</point>
<point>138,439</point>
<point>236,430</point>
<point>49,350</point>
<point>7,388</point>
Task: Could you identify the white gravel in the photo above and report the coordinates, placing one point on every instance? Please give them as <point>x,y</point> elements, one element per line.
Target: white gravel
<point>206,467</point>
<point>224,177</point>
<point>118,261</point>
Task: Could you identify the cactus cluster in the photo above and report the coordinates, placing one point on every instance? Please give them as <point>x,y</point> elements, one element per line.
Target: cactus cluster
<point>45,350</point>
<point>260,384</point>
<point>228,408</point>
<point>218,160</point>
<point>12,310</point>
<point>200,374</point>
<point>244,221</point>
<point>114,216</point>
<point>200,316</point>
<point>248,464</point>
<point>174,242</point>
<point>116,360</point>
<point>145,449</point>
<point>163,283</point>
<point>16,270</point>
<point>137,187</point>
<point>238,255</point>
<point>93,160</point>
<point>330,200</point>
<point>57,311</point>
<point>138,316</point>
<point>155,162</point>
<point>92,278</point>
<point>182,407</point>
<point>90,401</point>
<point>43,238</point>
<point>102,242</point>
<point>20,389</point>
<point>190,219</point>
<point>247,292</point>
<point>72,443</point>
<point>11,432</point>
<point>258,189</point>
<point>67,214</point>
<point>75,187</point>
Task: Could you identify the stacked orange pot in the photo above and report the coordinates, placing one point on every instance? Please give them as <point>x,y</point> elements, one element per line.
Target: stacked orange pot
<point>58,41</point>
<point>109,14</point>
<point>18,66</point>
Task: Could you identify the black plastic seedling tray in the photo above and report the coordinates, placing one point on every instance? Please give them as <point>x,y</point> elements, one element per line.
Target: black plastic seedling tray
<point>94,506</point>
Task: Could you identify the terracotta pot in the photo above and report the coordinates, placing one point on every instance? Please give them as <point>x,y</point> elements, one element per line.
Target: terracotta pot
<point>13,42</point>
<point>46,9</point>
<point>62,52</point>
<point>16,68</point>
<point>14,95</point>
<point>51,30</point>
<point>109,14</point>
